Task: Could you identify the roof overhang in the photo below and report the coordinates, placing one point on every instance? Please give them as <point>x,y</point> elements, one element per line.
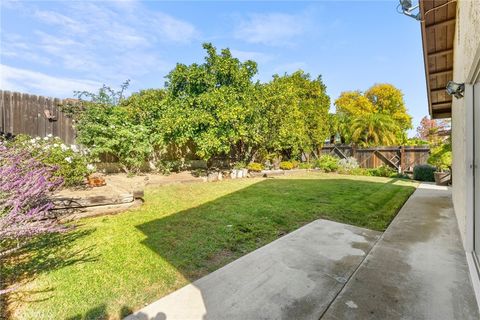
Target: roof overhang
<point>438,33</point>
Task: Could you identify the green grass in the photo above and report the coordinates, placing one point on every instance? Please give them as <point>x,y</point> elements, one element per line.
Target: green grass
<point>112,265</point>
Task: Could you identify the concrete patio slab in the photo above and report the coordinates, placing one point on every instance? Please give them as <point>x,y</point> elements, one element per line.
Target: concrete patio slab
<point>417,270</point>
<point>294,277</point>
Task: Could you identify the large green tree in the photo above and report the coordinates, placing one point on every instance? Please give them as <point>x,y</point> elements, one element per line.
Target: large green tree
<point>211,104</point>
<point>219,109</point>
<point>382,99</point>
<point>297,111</point>
<point>212,109</point>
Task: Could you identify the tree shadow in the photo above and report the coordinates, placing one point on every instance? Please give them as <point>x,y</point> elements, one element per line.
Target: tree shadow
<point>202,239</point>
<point>143,316</point>
<point>42,255</point>
<point>100,312</point>
<point>96,313</point>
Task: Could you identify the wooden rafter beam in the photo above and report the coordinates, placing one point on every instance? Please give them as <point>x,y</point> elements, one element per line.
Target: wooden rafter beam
<point>440,73</point>
<point>446,114</point>
<point>440,24</point>
<point>439,53</point>
<point>443,89</point>
<point>442,105</point>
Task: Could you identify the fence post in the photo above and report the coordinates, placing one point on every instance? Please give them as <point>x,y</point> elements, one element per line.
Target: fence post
<point>402,159</point>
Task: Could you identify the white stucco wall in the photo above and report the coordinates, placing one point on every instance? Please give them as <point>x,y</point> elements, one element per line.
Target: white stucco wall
<point>467,42</point>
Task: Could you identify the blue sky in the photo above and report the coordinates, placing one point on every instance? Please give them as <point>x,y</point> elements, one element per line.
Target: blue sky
<point>53,48</point>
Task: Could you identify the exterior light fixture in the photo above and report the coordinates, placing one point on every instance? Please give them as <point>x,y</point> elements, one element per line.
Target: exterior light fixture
<point>455,89</point>
<point>408,8</point>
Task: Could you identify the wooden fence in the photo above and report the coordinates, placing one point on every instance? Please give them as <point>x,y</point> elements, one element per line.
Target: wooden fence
<point>22,113</point>
<point>401,158</point>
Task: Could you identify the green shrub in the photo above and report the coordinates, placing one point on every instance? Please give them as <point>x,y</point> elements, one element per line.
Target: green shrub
<point>401,176</point>
<point>295,163</point>
<point>416,142</point>
<point>441,156</point>
<point>305,165</point>
<point>239,165</point>
<point>382,171</point>
<point>286,165</point>
<point>169,166</point>
<point>72,162</point>
<point>114,131</point>
<point>255,167</point>
<point>424,172</point>
<point>327,163</point>
<point>359,172</point>
<point>127,129</point>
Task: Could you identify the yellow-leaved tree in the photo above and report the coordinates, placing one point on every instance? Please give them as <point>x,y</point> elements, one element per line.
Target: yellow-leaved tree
<point>377,116</point>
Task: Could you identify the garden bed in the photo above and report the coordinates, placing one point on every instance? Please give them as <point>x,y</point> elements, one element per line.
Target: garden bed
<point>120,193</point>
<point>114,197</point>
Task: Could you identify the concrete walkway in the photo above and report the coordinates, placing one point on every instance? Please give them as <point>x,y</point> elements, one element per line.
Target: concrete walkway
<point>416,270</point>
<point>294,277</point>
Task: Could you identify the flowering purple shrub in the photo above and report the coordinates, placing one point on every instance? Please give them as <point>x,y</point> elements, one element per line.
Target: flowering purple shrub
<point>25,209</point>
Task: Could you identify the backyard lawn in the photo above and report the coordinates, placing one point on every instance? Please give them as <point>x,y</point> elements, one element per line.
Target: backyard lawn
<point>111,265</point>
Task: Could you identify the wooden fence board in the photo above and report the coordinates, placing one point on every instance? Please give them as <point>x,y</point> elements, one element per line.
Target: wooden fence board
<point>49,124</point>
<point>2,110</point>
<point>60,119</point>
<point>42,125</point>
<point>6,97</point>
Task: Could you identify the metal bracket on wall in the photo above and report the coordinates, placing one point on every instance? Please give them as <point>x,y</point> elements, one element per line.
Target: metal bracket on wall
<point>49,115</point>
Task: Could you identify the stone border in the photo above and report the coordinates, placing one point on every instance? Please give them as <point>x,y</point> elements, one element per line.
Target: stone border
<point>74,208</point>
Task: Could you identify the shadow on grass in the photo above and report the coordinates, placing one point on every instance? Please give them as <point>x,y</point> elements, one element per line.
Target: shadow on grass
<point>202,239</point>
<point>44,254</point>
<point>99,312</point>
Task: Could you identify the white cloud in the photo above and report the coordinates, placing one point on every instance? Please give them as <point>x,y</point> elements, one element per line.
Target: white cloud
<point>8,4</point>
<point>127,20</point>
<point>56,41</point>
<point>106,41</point>
<point>16,79</point>
<point>173,29</point>
<point>271,29</point>
<point>14,46</point>
<point>256,56</point>
<point>58,19</point>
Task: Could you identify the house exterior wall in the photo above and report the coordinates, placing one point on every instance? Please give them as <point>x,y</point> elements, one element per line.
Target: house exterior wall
<point>466,44</point>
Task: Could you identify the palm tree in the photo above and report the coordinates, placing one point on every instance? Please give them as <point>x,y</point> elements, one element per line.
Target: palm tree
<point>374,129</point>
<point>340,124</point>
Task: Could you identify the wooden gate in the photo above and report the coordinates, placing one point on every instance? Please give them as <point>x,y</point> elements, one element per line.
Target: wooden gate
<point>400,158</point>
